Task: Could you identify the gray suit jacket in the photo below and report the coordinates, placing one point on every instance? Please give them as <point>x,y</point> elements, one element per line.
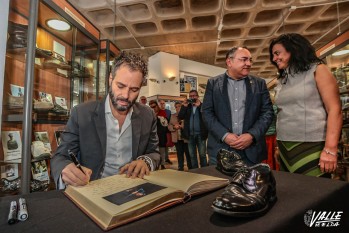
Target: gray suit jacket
<point>85,134</point>
<point>217,115</point>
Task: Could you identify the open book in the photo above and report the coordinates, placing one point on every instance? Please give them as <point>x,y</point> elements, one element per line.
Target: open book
<point>116,200</point>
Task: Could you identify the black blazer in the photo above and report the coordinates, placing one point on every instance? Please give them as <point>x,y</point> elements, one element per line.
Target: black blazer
<point>217,115</point>
<point>86,135</point>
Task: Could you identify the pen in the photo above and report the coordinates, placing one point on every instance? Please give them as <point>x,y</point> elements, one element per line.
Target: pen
<point>75,161</point>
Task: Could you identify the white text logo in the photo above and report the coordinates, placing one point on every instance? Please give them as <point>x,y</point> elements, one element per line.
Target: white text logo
<point>314,218</point>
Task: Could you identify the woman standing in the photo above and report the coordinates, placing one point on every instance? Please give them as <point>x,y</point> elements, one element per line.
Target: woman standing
<point>309,119</point>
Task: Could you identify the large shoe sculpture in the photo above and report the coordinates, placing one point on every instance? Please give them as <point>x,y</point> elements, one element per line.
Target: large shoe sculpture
<point>229,162</point>
<point>252,193</point>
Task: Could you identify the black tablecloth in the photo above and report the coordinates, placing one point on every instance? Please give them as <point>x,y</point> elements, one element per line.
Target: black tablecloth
<point>53,212</point>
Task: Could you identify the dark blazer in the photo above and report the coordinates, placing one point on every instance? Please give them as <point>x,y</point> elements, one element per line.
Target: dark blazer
<point>184,114</point>
<point>86,135</point>
<point>217,115</point>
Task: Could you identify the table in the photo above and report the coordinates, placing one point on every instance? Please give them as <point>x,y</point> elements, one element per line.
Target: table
<point>53,212</point>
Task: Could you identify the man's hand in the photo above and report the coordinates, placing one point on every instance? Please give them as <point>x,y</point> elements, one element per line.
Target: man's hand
<point>242,142</point>
<point>197,103</point>
<point>137,168</point>
<point>230,138</point>
<point>185,103</point>
<point>71,175</point>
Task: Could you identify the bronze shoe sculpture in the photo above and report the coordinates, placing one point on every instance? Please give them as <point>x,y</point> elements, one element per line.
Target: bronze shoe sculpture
<point>229,162</point>
<point>252,193</point>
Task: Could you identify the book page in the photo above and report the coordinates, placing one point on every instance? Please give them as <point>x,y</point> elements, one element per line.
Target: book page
<point>188,182</point>
<point>118,195</point>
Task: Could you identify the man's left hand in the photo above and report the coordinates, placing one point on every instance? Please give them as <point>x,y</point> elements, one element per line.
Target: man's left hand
<point>242,142</point>
<point>197,103</point>
<point>137,168</point>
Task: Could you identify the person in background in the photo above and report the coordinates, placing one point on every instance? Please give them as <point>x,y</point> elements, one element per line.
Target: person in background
<point>162,105</point>
<point>309,119</point>
<point>270,139</point>
<point>237,110</point>
<point>194,129</point>
<point>143,100</point>
<point>115,135</point>
<point>162,124</point>
<point>175,127</point>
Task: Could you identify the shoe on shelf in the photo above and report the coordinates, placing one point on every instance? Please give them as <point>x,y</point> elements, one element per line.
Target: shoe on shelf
<point>229,162</point>
<point>168,161</point>
<point>252,193</point>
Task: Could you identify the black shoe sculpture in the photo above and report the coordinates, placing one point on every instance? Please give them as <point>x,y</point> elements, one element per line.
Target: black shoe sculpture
<point>13,186</point>
<point>252,193</point>
<point>229,162</point>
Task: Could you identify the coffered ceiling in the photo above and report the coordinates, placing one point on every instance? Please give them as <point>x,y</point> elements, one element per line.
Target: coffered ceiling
<point>203,30</point>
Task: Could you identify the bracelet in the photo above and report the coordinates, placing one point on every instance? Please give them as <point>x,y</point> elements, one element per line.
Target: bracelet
<point>329,152</point>
<point>147,161</point>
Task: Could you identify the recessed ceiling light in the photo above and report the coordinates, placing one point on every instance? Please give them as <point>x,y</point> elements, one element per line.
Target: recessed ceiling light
<point>59,25</point>
<point>341,52</point>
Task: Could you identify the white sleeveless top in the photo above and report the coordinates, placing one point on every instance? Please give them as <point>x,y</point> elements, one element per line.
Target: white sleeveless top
<point>301,113</point>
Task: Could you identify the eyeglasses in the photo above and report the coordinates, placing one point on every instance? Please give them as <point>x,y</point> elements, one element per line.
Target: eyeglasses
<point>243,59</point>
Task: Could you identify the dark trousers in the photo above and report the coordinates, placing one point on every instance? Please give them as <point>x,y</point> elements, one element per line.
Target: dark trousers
<point>182,148</point>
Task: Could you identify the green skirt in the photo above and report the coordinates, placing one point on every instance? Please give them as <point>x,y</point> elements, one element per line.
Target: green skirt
<point>301,157</point>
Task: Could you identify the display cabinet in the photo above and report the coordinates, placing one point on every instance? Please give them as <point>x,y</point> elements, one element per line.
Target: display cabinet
<point>64,73</point>
<point>107,55</point>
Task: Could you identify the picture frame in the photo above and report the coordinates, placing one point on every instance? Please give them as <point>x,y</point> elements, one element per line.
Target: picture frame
<point>61,101</point>
<point>17,91</point>
<point>43,136</point>
<point>58,136</point>
<point>45,97</point>
<point>187,83</point>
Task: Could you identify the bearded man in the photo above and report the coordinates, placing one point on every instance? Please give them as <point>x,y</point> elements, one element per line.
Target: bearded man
<point>113,136</point>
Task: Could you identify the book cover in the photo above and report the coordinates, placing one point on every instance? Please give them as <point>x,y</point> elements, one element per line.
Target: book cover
<point>17,90</point>
<point>9,171</point>
<point>12,146</point>
<point>45,97</point>
<point>117,200</point>
<point>61,102</point>
<point>39,170</point>
<point>43,136</point>
<point>58,136</point>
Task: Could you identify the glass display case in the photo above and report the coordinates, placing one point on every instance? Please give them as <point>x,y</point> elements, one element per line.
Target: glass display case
<point>107,55</point>
<point>64,74</point>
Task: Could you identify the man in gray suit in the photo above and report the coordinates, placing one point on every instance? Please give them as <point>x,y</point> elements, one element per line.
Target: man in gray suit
<point>237,110</point>
<point>115,135</point>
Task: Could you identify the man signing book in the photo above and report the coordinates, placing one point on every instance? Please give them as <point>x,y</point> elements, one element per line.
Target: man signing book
<point>115,135</point>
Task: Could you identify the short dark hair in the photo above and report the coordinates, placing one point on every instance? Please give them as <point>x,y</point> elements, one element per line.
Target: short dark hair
<point>153,102</point>
<point>194,91</point>
<point>303,54</point>
<point>134,61</point>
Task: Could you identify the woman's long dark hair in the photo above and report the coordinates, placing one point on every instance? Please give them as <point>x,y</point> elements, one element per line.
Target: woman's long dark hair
<point>302,53</point>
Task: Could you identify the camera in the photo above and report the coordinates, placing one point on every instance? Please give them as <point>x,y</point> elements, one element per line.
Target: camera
<point>191,101</point>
